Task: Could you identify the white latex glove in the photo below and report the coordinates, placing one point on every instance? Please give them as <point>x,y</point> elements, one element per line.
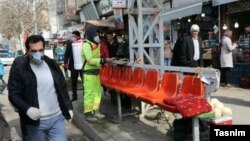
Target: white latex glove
<point>71,115</point>
<point>33,113</point>
<point>109,59</point>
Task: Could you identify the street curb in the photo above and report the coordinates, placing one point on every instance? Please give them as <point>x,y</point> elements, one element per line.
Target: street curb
<point>79,121</point>
<point>94,131</point>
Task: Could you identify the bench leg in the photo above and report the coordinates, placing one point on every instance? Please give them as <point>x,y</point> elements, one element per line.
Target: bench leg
<point>167,119</point>
<point>196,131</point>
<point>119,107</point>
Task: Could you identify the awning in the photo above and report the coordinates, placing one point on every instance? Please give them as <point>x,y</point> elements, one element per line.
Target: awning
<point>101,23</point>
<point>89,12</point>
<point>220,2</point>
<point>243,5</point>
<point>183,11</point>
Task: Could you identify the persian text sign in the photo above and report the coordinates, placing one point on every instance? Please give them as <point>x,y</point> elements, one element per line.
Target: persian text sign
<point>118,16</point>
<point>119,3</point>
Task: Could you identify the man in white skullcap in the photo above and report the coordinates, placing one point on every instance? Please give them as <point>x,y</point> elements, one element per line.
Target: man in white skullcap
<point>191,54</point>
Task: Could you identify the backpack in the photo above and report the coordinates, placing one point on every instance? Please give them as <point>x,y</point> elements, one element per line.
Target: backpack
<point>85,61</point>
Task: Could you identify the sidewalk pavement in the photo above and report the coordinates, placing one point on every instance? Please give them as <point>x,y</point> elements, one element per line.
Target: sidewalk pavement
<point>238,100</point>
<point>137,128</point>
<point>132,128</point>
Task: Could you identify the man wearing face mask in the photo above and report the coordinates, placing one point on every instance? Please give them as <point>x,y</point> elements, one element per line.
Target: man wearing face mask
<point>38,90</point>
<point>69,63</point>
<point>123,50</point>
<point>91,71</point>
<point>112,44</point>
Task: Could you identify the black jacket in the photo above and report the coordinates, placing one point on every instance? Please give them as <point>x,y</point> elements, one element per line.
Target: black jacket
<point>68,56</point>
<point>187,52</point>
<point>22,87</point>
<point>176,60</point>
<point>113,48</point>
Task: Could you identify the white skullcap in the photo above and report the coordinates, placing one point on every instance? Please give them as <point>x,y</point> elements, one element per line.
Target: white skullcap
<point>195,27</point>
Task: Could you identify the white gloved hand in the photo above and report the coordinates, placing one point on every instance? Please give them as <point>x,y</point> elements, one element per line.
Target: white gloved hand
<point>71,115</point>
<point>34,113</point>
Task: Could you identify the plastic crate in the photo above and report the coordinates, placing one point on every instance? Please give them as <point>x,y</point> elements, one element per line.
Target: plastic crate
<point>226,120</point>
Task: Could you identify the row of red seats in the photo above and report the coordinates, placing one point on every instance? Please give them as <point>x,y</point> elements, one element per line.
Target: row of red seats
<point>149,87</point>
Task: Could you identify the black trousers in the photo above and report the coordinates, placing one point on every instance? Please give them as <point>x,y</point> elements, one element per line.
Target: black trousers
<point>74,78</point>
<point>225,72</point>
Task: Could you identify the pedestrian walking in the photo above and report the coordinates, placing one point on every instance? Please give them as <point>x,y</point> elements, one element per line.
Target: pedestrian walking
<point>37,89</point>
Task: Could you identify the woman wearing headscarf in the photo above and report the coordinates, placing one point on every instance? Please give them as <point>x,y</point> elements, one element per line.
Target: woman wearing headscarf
<point>226,57</point>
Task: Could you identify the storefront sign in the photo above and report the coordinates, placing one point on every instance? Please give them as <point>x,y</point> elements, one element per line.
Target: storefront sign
<point>63,34</point>
<point>238,7</point>
<point>220,2</point>
<point>118,16</point>
<point>105,6</point>
<point>119,3</point>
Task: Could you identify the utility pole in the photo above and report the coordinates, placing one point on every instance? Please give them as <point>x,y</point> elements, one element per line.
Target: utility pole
<point>65,6</point>
<point>34,15</point>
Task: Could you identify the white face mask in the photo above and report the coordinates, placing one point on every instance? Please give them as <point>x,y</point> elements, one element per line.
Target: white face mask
<point>37,57</point>
<point>97,39</point>
<point>119,40</point>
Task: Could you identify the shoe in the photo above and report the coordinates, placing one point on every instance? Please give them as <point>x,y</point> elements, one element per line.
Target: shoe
<point>99,115</point>
<point>91,118</point>
<point>229,85</point>
<point>74,97</point>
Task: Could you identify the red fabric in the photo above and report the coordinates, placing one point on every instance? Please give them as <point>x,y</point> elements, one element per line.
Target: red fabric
<point>104,50</point>
<point>173,101</point>
<point>228,122</point>
<point>193,106</point>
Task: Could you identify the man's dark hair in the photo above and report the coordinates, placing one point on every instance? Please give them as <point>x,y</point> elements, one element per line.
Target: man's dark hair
<point>167,38</point>
<point>77,33</point>
<point>246,25</point>
<point>109,32</point>
<point>34,39</point>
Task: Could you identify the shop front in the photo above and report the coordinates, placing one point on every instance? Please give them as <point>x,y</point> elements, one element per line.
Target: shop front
<point>207,19</point>
<point>237,19</point>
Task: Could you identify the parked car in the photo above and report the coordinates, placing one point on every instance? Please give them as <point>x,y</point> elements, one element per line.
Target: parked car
<point>7,57</point>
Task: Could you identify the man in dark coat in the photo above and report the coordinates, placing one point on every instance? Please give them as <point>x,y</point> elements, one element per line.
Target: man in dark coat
<point>177,50</point>
<point>15,63</point>
<point>191,52</point>
<point>38,90</point>
<point>112,45</point>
